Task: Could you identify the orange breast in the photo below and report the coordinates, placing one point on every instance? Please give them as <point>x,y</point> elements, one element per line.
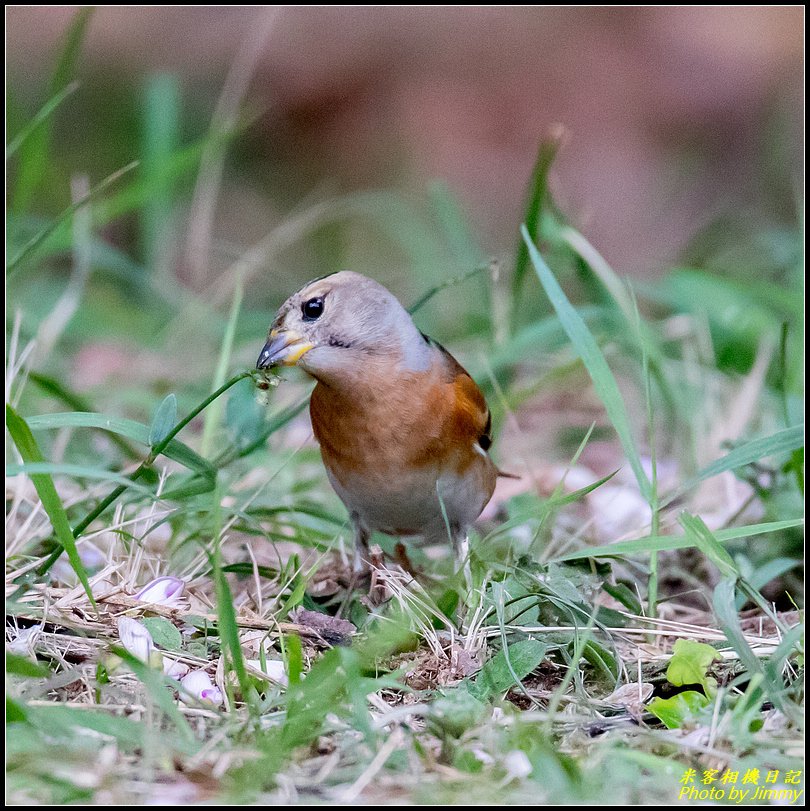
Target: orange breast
<point>392,419</point>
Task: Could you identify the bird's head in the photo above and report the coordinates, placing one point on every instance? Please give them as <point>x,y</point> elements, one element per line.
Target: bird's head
<point>333,325</point>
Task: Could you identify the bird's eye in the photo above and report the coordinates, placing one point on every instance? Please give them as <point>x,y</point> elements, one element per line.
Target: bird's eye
<point>312,309</point>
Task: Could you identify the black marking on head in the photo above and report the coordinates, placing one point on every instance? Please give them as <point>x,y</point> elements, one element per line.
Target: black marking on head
<point>337,342</point>
<point>319,279</point>
<point>485,440</point>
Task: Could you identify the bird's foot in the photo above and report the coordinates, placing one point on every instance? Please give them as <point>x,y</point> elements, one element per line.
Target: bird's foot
<point>379,590</point>
<point>402,559</point>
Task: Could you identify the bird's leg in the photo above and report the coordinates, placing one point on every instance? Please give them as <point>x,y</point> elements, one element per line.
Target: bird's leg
<point>362,556</point>
<point>461,545</point>
<point>367,563</point>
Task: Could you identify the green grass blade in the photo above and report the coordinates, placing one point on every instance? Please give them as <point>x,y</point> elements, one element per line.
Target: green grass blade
<point>229,629</point>
<point>60,721</point>
<point>725,609</point>
<point>227,625</point>
<point>295,658</point>
<point>155,452</point>
<point>136,431</point>
<point>706,542</point>
<point>156,683</point>
<point>51,503</point>
<point>77,471</point>
<point>538,193</point>
<point>557,501</point>
<point>34,157</point>
<point>69,57</point>
<point>214,413</point>
<point>459,236</point>
<point>275,424</point>
<point>58,391</point>
<point>161,137</point>
<point>452,282</point>
<point>44,233</point>
<point>664,543</point>
<point>588,350</point>
<point>40,118</point>
<point>784,441</point>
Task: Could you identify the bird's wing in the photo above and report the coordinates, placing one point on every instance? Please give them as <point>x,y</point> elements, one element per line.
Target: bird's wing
<point>470,415</point>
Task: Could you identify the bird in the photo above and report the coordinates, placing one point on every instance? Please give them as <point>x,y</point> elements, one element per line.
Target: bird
<point>403,429</point>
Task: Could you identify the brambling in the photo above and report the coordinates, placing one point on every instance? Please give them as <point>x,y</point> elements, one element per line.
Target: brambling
<point>404,431</point>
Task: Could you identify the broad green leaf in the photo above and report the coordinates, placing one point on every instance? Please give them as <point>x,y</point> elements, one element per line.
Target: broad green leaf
<point>457,709</point>
<point>165,419</point>
<point>689,664</point>
<point>594,361</point>
<point>295,658</point>
<point>51,503</point>
<point>164,634</point>
<point>276,423</point>
<point>244,416</point>
<point>495,676</point>
<point>23,666</point>
<point>675,711</point>
<point>63,723</point>
<point>16,712</point>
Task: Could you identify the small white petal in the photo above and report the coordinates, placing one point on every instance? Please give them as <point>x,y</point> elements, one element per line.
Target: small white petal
<point>135,638</point>
<point>198,685</point>
<point>174,669</point>
<point>92,558</point>
<point>22,643</point>
<point>273,668</point>
<point>213,695</point>
<point>162,591</point>
<point>517,764</point>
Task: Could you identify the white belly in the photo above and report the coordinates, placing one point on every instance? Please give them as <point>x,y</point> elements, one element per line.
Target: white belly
<point>412,504</point>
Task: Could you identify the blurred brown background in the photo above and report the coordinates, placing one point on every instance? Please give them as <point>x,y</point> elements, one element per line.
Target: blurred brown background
<point>674,115</point>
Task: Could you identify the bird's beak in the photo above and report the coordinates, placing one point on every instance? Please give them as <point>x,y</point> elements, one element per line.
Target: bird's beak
<point>283,348</point>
